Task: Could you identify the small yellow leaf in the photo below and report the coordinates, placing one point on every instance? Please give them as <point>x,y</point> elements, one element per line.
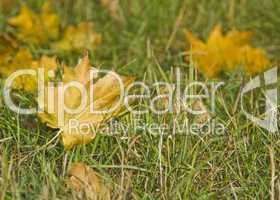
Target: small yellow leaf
<point>24,60</point>
<point>87,184</point>
<point>226,52</point>
<point>78,38</point>
<point>204,115</point>
<point>35,28</point>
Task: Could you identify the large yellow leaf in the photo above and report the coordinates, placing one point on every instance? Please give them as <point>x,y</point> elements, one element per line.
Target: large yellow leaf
<point>226,52</point>
<point>77,38</point>
<point>87,184</point>
<point>35,28</point>
<point>23,60</point>
<point>106,92</point>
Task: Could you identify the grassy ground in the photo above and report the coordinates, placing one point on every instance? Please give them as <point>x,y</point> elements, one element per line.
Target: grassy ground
<point>147,42</point>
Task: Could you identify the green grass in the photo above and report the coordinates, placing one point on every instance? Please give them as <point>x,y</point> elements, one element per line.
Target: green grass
<point>147,42</point>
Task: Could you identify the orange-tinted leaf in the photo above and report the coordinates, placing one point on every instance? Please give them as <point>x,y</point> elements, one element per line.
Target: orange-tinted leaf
<point>87,184</point>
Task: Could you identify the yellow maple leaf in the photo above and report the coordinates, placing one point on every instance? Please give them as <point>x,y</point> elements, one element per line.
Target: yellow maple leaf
<point>77,38</point>
<point>226,52</point>
<point>106,95</point>
<point>35,28</point>
<point>23,60</point>
<point>85,182</point>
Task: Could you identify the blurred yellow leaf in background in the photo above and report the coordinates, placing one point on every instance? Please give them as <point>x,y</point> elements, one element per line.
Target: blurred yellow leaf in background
<point>35,28</point>
<point>226,52</point>
<point>78,38</point>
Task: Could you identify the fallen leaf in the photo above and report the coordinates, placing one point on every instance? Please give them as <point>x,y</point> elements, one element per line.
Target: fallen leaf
<point>106,92</point>
<point>204,115</point>
<point>78,38</point>
<point>35,28</point>
<point>87,184</point>
<point>23,60</point>
<point>226,52</point>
